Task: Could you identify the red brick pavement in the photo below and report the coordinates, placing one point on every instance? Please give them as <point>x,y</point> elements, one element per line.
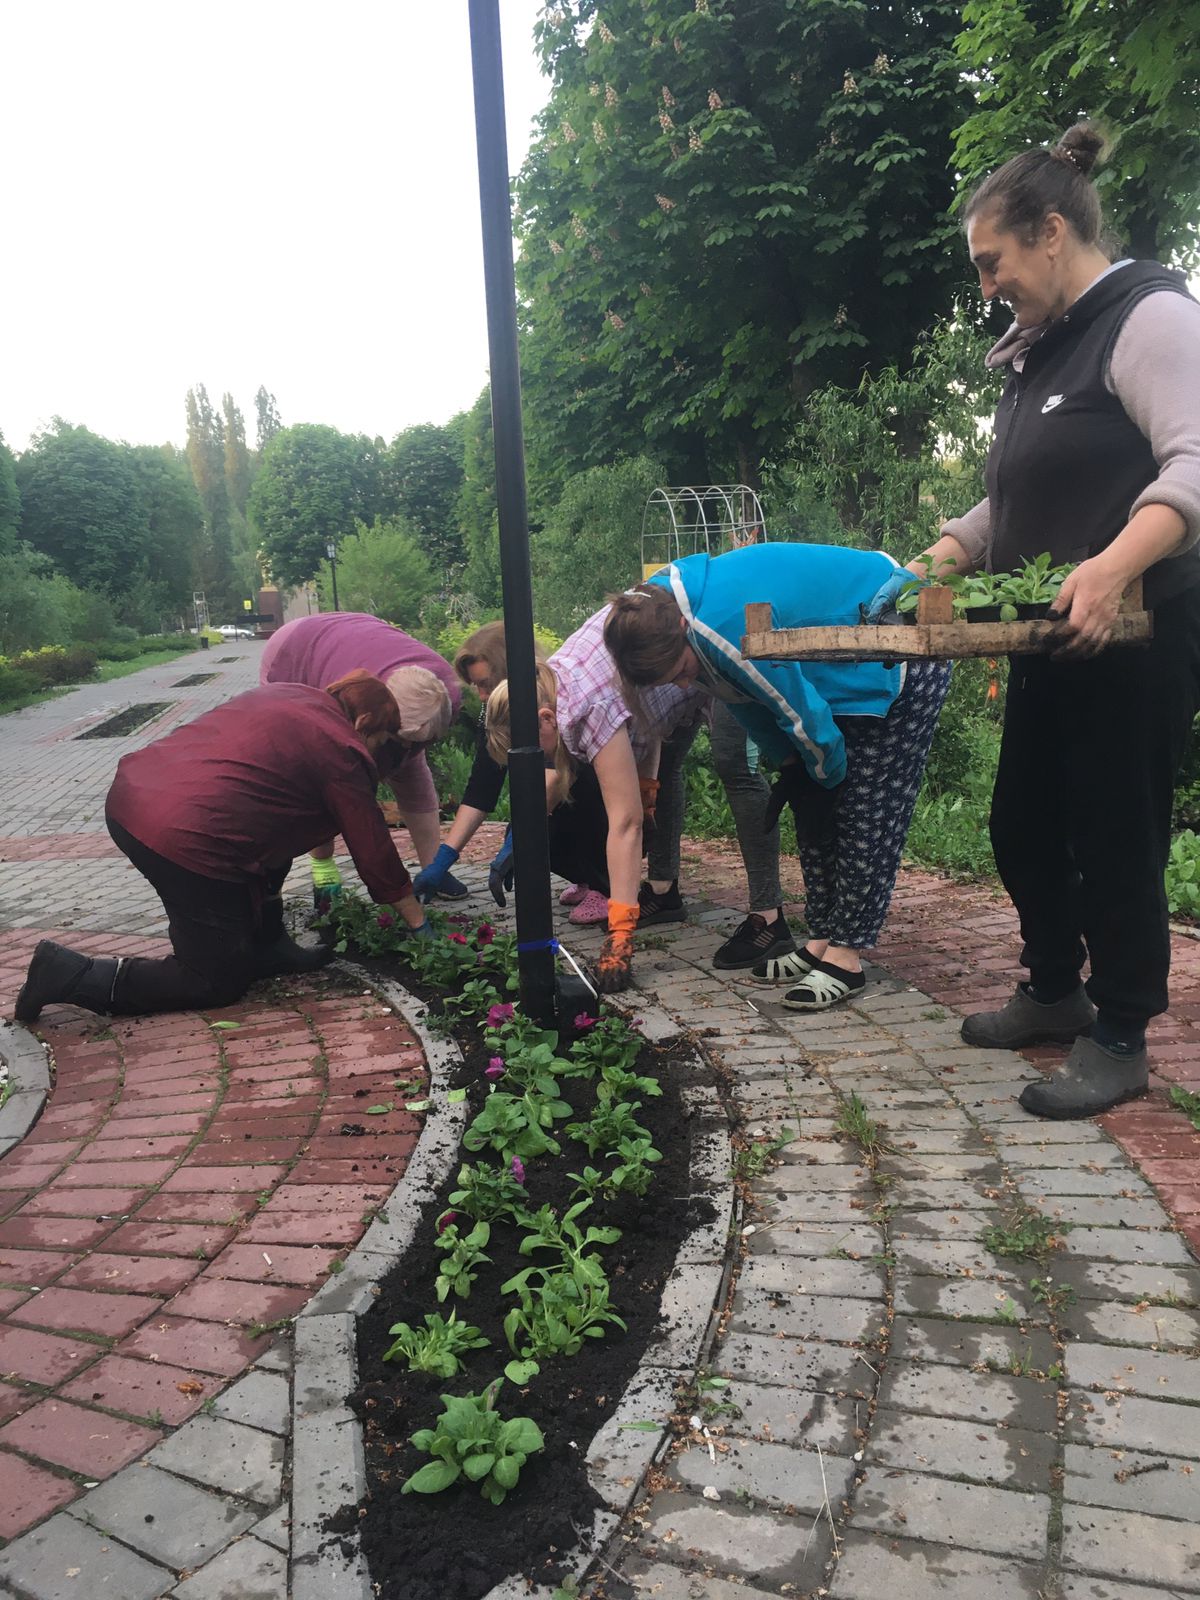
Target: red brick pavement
<point>185,1185</point>
<point>959,942</point>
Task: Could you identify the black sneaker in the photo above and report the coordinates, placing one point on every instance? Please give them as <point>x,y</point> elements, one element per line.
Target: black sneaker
<point>452,888</point>
<point>665,907</point>
<point>756,941</point>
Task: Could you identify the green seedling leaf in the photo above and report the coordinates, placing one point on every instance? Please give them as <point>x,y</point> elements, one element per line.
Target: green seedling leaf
<point>417,1105</point>
<point>640,1427</point>
<point>520,1372</point>
<point>381,1109</point>
<point>456,1097</point>
<point>224,1025</point>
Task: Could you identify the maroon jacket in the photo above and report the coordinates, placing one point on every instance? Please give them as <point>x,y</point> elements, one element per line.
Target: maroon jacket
<point>254,783</point>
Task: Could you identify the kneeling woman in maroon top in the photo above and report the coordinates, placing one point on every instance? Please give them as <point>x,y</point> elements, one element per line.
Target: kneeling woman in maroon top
<point>212,815</point>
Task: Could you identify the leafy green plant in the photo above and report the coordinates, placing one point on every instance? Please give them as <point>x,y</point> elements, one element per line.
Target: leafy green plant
<point>1055,1297</point>
<point>1184,1100</point>
<point>568,1240</point>
<point>756,1157</point>
<point>436,1348</point>
<point>608,1125</point>
<point>516,1125</point>
<point>472,1440</point>
<point>464,1255</point>
<point>1182,876</point>
<point>856,1123</point>
<point>609,1044</point>
<point>1024,1234</point>
<point>556,1313</point>
<point>474,999</point>
<point>486,1192</point>
<point>1034,583</point>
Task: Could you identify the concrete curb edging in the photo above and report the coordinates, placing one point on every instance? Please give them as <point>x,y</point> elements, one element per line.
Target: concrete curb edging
<point>328,1461</point>
<point>29,1075</point>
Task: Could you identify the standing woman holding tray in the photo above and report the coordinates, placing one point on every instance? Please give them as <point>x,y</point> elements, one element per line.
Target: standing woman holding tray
<point>849,739</point>
<point>1095,459</point>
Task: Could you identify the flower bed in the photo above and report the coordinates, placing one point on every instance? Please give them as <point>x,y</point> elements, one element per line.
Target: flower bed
<point>531,1290</point>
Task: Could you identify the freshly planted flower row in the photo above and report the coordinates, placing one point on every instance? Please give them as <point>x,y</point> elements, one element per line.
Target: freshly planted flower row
<point>564,1296</point>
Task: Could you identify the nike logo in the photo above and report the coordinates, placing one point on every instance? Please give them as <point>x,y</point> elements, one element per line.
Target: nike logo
<point>1054,400</point>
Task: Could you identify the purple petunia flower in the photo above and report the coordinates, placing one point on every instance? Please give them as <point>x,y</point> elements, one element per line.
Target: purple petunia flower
<point>498,1015</point>
<point>583,1021</point>
<point>518,1169</point>
<point>385,920</point>
<point>494,1068</point>
<point>446,1218</point>
<point>485,933</point>
<point>458,938</point>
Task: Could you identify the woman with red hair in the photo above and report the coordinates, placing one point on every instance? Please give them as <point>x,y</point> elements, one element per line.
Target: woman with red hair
<point>212,816</point>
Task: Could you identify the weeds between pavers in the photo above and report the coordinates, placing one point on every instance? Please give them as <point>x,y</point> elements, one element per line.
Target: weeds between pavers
<point>1024,1235</point>
<point>578,1167</point>
<point>1187,1102</point>
<point>855,1122</point>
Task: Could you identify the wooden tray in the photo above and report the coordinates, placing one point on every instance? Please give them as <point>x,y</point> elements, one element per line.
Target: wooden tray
<point>936,635</point>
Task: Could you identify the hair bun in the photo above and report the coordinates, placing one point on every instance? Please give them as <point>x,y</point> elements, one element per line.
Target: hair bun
<point>1083,146</point>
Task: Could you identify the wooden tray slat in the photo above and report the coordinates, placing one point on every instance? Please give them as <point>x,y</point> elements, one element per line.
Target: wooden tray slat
<point>925,641</point>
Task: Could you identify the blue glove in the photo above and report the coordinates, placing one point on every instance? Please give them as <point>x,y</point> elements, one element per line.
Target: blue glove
<point>886,596</point>
<point>425,931</point>
<point>500,873</point>
<point>430,879</point>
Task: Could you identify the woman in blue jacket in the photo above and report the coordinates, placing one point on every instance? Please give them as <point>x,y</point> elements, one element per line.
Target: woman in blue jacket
<point>849,739</point>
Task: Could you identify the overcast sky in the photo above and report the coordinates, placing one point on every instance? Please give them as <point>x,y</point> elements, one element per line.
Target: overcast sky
<point>244,192</point>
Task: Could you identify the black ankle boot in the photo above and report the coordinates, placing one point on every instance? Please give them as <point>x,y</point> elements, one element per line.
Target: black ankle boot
<point>60,976</point>
<point>284,955</point>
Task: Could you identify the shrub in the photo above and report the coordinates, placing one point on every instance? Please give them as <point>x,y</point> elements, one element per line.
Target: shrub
<point>15,684</point>
<point>1182,877</point>
<point>56,664</point>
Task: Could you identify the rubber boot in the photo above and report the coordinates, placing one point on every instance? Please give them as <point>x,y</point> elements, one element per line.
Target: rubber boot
<point>58,976</point>
<point>276,952</point>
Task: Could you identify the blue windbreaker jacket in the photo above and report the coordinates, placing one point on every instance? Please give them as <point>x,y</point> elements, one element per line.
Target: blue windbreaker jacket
<point>791,705</point>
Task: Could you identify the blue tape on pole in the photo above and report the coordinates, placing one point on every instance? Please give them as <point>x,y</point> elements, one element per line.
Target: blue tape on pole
<point>538,944</point>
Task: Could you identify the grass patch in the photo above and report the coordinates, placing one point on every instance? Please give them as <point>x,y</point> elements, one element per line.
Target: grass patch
<point>856,1123</point>
<point>1024,1235</point>
<point>1187,1102</point>
<point>106,671</point>
<point>754,1160</point>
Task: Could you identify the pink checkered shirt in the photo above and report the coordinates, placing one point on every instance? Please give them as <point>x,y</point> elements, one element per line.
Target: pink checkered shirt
<point>592,708</point>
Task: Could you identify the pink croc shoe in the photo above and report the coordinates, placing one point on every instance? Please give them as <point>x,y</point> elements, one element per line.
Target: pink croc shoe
<point>591,909</point>
<point>573,894</point>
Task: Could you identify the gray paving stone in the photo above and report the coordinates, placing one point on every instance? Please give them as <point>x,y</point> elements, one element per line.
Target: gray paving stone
<point>663,1582</point>
<point>1097,1212</point>
<point>858,1240</point>
<point>951,1258</point>
<point>778,1206</point>
<point>1129,1544</point>
<point>800,1417</point>
<point>1040,1157</point>
<point>619,1454</point>
<point>814,1275</point>
<point>954,1448</point>
<point>1157,1245</point>
<point>226,1456</point>
<point>48,1563</point>
<point>943,1194</point>
<point>336,1572</point>
<point>1077,1587</point>
<point>1057,1182</point>
<point>260,1399</point>
<point>972,1344</point>
<point>941,1141</point>
<point>1125,1324</point>
<point>819,1152</point>
<point>163,1517</point>
<point>1132,1480</point>
<point>767,1547</point>
<point>807,1316</point>
<point>248,1570</point>
<point>929,1168</point>
<point>980,1396</point>
<point>979,1299</point>
<point>326,1361</point>
<point>792,1179</point>
<point>1129,1422</point>
<point>963,1224</point>
<point>872,1567</point>
<point>1030,1132</point>
<point>328,1472</point>
<point>688,1300</point>
<point>277,1359</point>
<point>766,1471</point>
<point>831,1368</point>
<point>276,1528</point>
<point>967,1515</point>
<point>1108,1280</point>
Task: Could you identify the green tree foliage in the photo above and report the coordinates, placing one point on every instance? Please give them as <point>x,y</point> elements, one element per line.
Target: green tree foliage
<point>206,457</point>
<point>237,457</point>
<point>424,475</point>
<point>384,570</point>
<point>175,546</point>
<point>889,460</point>
<point>269,423</point>
<point>1039,65</point>
<point>10,499</point>
<point>731,203</point>
<point>477,506</point>
<point>600,513</point>
<point>314,484</point>
<point>82,506</point>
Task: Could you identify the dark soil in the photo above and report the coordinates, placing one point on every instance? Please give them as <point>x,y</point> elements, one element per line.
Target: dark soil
<point>127,721</point>
<point>455,1545</point>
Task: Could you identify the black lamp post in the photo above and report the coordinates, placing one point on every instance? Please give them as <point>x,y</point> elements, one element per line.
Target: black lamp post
<point>331,552</point>
<point>526,765</point>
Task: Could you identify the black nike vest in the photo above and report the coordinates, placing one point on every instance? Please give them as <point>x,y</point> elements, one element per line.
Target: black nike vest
<point>1066,462</point>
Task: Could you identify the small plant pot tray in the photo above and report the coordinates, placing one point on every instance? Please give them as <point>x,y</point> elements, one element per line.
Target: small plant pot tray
<point>951,639</point>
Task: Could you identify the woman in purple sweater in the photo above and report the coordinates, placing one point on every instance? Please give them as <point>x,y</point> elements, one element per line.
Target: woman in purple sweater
<point>320,649</point>
<point>212,815</point>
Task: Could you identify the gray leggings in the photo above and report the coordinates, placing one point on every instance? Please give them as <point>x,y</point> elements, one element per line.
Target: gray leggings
<point>747,792</point>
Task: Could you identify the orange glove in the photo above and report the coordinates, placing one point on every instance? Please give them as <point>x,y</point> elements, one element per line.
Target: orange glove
<point>614,969</point>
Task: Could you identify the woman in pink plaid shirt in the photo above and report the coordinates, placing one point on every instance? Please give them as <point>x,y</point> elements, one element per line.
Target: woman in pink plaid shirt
<point>585,720</point>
